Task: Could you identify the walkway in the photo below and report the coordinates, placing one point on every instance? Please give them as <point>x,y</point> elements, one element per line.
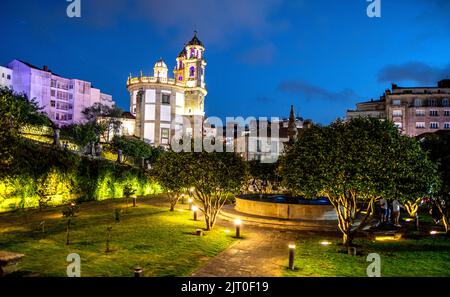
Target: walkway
<point>261,252</point>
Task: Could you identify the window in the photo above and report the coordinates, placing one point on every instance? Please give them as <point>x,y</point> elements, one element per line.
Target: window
<point>164,135</point>
<point>396,102</point>
<point>192,71</point>
<point>446,125</point>
<point>180,78</point>
<point>445,102</point>
<point>434,113</point>
<point>52,103</point>
<point>432,102</point>
<point>8,76</point>
<point>397,113</point>
<point>418,102</point>
<point>69,117</point>
<point>398,125</point>
<point>434,125</point>
<point>420,125</point>
<point>52,93</point>
<point>447,113</point>
<point>420,113</point>
<point>165,99</point>
<point>53,83</point>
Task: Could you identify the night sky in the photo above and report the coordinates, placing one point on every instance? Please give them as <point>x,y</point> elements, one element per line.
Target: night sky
<point>323,56</point>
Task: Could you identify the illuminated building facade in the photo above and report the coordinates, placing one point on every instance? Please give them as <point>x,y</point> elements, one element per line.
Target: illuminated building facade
<point>165,107</point>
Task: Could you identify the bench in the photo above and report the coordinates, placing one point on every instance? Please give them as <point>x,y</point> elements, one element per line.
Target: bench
<point>8,262</point>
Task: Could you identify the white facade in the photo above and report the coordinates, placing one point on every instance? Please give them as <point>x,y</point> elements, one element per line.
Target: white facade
<point>166,107</point>
<point>6,77</point>
<point>63,99</point>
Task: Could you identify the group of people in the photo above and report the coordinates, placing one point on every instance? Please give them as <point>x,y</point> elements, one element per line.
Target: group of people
<point>390,212</point>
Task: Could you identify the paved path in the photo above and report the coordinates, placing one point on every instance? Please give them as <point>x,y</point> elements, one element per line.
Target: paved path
<point>262,252</point>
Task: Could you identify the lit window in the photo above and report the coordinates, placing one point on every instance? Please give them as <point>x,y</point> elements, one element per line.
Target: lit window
<point>192,71</point>
<point>420,113</point>
<point>180,78</point>
<point>397,113</point>
<point>420,125</point>
<point>434,125</point>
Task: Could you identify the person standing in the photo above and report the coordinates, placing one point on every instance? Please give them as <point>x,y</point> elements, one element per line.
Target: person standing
<point>396,206</point>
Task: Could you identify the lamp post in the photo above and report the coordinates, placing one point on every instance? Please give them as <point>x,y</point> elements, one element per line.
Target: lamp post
<point>194,210</point>
<point>190,201</point>
<point>137,271</point>
<point>291,256</point>
<point>238,224</point>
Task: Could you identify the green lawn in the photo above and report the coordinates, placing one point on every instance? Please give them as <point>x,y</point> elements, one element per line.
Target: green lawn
<point>405,257</point>
<point>149,236</point>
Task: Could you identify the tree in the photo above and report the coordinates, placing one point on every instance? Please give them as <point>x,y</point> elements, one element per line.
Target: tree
<point>105,115</point>
<point>214,176</point>
<point>438,148</point>
<point>171,172</point>
<point>265,172</point>
<point>136,149</point>
<point>69,213</point>
<point>85,135</point>
<point>353,164</point>
<point>128,191</point>
<point>16,111</point>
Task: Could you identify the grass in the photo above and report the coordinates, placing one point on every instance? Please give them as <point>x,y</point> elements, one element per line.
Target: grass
<point>406,257</point>
<point>159,241</point>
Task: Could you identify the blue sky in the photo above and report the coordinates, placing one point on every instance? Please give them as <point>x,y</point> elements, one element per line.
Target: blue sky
<point>322,56</point>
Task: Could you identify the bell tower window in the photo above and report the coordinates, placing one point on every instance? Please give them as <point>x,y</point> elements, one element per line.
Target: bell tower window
<point>192,71</point>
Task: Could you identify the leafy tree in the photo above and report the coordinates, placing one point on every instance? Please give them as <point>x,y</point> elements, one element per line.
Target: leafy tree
<point>214,176</point>
<point>172,171</point>
<point>266,172</point>
<point>136,149</point>
<point>85,135</point>
<point>354,164</point>
<point>438,148</point>
<point>108,116</point>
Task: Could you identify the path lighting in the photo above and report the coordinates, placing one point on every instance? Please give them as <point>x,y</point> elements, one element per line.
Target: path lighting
<point>194,210</point>
<point>191,192</point>
<point>291,256</point>
<point>238,224</point>
<point>409,219</point>
<point>325,243</point>
<point>137,271</point>
<point>433,232</point>
<point>190,201</point>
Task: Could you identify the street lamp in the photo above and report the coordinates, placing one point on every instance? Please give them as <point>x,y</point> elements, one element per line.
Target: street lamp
<point>291,256</point>
<point>194,210</point>
<point>238,223</point>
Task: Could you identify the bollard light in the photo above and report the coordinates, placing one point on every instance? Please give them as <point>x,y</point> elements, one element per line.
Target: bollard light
<point>325,243</point>
<point>134,201</point>
<point>137,271</point>
<point>190,201</point>
<point>238,224</point>
<point>291,256</point>
<point>433,232</point>
<point>194,210</point>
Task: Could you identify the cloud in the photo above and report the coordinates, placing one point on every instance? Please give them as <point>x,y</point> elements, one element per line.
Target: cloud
<point>218,22</point>
<point>261,55</point>
<point>310,92</point>
<point>413,71</point>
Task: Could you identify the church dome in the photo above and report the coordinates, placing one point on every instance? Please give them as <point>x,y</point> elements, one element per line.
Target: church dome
<point>160,64</point>
<point>195,40</point>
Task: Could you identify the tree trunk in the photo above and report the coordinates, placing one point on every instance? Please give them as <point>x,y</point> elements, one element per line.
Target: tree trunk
<point>68,232</point>
<point>56,141</point>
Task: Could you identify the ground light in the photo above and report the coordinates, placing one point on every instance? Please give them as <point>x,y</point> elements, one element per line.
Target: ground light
<point>194,210</point>
<point>409,220</point>
<point>291,256</point>
<point>138,271</point>
<point>238,224</point>
<point>325,243</point>
<point>433,232</point>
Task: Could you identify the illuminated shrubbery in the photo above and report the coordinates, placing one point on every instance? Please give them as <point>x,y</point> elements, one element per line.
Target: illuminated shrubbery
<point>62,176</point>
